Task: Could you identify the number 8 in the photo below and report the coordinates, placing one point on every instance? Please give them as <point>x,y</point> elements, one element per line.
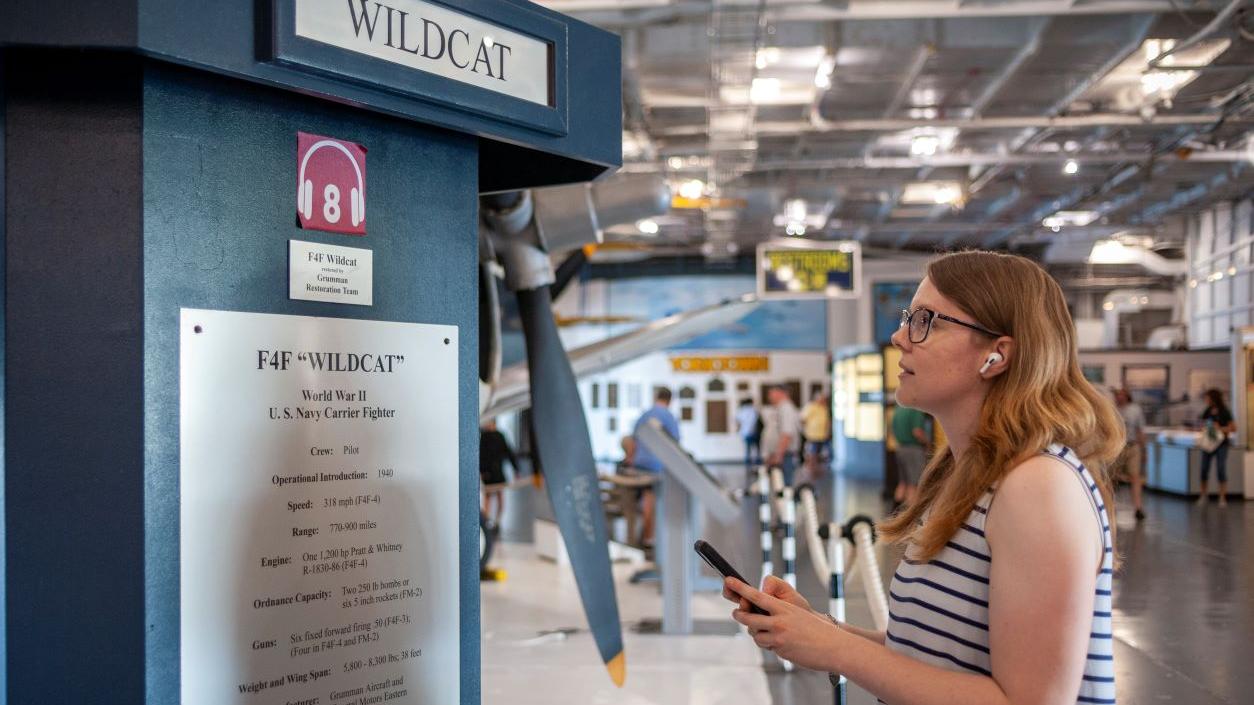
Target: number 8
<point>331,203</point>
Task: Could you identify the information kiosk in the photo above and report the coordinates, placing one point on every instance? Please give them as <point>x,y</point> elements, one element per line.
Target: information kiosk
<point>687,489</point>
<point>240,334</point>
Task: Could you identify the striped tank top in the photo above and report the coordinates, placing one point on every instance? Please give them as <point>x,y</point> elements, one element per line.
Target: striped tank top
<point>938,610</point>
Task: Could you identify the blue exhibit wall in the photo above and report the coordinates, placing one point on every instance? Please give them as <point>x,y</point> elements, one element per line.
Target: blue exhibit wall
<point>73,381</point>
<point>3,631</point>
<point>144,189</point>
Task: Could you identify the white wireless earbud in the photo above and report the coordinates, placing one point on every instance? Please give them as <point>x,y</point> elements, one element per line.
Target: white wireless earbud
<point>993,359</point>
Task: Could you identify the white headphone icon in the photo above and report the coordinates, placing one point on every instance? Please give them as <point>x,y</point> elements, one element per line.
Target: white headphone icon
<point>356,198</point>
<point>993,359</point>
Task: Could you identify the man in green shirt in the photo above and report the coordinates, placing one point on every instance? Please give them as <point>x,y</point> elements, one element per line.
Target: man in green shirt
<point>909,428</point>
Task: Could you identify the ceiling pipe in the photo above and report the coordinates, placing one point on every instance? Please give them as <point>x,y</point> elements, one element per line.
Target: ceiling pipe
<point>1181,199</point>
<point>1211,27</point>
<point>1139,31</point>
<point>960,159</point>
<point>915,70</point>
<point>620,13</point>
<point>1027,51</point>
<point>1031,122</point>
<point>1062,203</point>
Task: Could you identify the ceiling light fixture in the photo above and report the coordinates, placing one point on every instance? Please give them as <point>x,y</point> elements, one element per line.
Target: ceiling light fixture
<point>692,189</point>
<point>767,56</point>
<point>647,226</point>
<point>764,90</point>
<point>924,146</point>
<point>1071,168</point>
<point>947,195</point>
<point>823,76</point>
<point>932,193</point>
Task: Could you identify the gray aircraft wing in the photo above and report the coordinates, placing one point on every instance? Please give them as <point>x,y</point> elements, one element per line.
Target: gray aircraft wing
<point>512,391</point>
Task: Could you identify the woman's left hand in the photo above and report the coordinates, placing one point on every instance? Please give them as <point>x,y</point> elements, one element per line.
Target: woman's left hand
<point>802,636</point>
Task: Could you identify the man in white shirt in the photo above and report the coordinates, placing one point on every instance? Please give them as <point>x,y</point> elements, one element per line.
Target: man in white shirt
<point>781,437</point>
<point>1130,465</point>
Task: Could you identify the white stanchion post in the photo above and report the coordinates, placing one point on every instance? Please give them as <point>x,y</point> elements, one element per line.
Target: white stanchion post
<point>789,545</point>
<point>764,523</point>
<point>836,594</point>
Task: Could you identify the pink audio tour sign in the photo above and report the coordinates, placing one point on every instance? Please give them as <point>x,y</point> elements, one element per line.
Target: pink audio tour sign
<point>330,184</point>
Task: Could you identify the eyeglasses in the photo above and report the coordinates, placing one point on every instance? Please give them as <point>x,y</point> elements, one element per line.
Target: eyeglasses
<point>919,324</point>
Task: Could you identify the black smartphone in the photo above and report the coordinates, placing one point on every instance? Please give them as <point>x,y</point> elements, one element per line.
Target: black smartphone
<point>720,564</point>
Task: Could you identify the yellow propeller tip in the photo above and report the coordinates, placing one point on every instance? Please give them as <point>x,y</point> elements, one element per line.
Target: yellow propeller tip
<point>617,667</point>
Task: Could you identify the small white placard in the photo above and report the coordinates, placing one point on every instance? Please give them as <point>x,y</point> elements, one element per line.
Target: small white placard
<point>341,275</point>
<point>432,38</point>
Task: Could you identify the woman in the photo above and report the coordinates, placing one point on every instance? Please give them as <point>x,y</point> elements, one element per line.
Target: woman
<point>1004,593</point>
<point>1219,418</point>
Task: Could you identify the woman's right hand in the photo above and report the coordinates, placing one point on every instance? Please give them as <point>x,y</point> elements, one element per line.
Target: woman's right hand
<point>772,586</point>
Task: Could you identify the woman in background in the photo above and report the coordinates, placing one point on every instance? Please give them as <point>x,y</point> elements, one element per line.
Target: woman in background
<point>1218,420</point>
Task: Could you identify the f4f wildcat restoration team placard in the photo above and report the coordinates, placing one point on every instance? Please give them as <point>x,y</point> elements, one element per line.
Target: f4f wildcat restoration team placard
<point>319,510</point>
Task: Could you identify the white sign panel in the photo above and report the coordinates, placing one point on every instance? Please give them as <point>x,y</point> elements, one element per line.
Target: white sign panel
<point>432,38</point>
<point>318,511</point>
<point>342,275</point>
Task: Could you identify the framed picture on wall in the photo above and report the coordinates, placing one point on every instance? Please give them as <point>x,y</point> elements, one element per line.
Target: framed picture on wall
<point>1149,385</point>
<point>887,301</point>
<point>1096,374</point>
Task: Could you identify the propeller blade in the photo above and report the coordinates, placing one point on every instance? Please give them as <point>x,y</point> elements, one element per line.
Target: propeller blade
<point>565,452</point>
<point>567,270</point>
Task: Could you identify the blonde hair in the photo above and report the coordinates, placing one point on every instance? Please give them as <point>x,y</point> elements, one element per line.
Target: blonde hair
<point>1041,398</point>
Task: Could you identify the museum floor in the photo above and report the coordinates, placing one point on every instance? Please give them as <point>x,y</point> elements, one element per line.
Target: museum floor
<point>1184,621</point>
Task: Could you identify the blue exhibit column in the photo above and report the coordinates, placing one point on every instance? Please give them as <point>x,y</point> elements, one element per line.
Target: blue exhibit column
<point>134,189</point>
<point>149,164</point>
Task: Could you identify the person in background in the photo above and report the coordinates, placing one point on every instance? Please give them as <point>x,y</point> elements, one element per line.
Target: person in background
<point>494,450</point>
<point>911,433</point>
<point>1131,463</point>
<point>816,423</point>
<point>747,427</point>
<point>628,444</point>
<point>1218,419</point>
<point>781,437</point>
<point>661,414</point>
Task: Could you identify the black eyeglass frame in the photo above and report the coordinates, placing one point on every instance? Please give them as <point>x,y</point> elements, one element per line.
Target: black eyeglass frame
<point>907,314</point>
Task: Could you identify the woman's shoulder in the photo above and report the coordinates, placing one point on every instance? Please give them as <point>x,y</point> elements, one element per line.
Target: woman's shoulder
<point>1044,493</point>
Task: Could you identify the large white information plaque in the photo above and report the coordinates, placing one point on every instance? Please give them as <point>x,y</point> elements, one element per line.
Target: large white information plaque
<point>319,517</point>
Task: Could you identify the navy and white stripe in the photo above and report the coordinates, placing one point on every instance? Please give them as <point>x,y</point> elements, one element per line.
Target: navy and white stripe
<point>788,547</point>
<point>938,609</point>
<point>836,594</point>
<point>764,521</point>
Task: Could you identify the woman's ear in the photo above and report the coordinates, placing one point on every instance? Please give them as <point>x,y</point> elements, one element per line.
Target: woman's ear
<point>998,359</point>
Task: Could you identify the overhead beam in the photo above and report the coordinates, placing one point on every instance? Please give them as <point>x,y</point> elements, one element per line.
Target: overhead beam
<point>1139,30</point>
<point>1027,51</point>
<point>960,159</point>
<point>1188,196</point>
<point>915,70</point>
<point>1037,122</point>
<point>610,12</point>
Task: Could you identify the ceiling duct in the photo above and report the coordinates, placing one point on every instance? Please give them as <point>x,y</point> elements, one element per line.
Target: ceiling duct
<point>1087,250</point>
<point>575,215</point>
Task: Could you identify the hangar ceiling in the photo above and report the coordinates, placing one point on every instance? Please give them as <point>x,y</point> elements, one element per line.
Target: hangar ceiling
<point>925,124</point>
